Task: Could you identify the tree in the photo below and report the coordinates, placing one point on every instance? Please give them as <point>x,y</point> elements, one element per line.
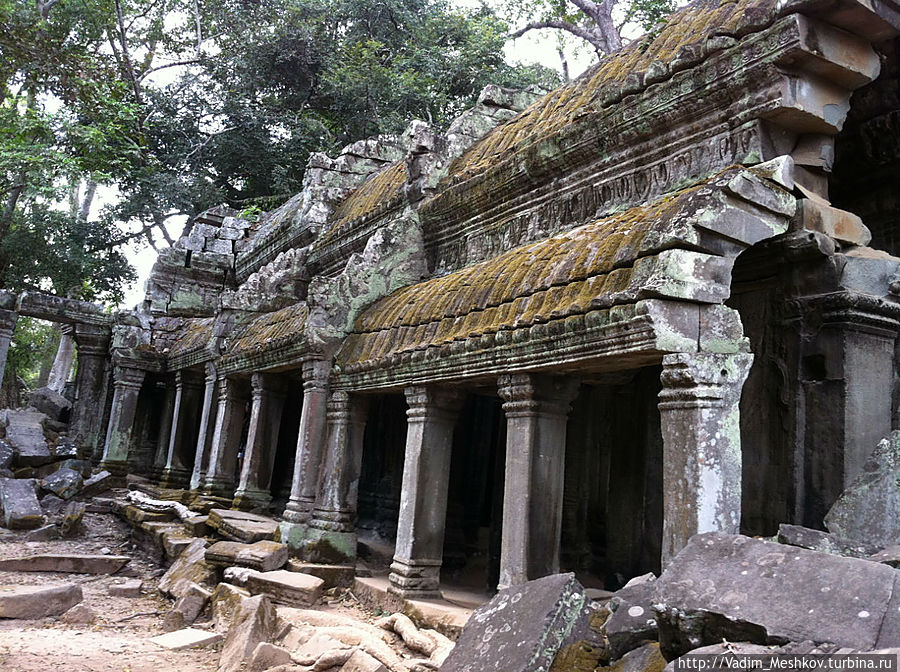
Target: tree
<point>600,23</point>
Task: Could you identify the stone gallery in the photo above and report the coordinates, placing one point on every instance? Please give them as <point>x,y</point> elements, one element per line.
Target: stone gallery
<point>570,333</point>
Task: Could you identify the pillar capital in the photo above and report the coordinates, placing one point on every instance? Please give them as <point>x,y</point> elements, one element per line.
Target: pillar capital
<point>316,373</point>
<point>92,339</point>
<point>428,402</point>
<point>128,377</point>
<point>536,393</point>
<point>701,379</point>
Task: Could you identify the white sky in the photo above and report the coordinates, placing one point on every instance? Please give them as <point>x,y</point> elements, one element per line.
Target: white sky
<point>535,47</point>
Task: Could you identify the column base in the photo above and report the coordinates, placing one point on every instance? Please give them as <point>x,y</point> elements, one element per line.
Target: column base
<point>115,467</point>
<point>327,547</point>
<point>175,478</point>
<point>415,579</point>
<point>292,535</point>
<point>298,511</point>
<point>218,487</point>
<point>246,500</point>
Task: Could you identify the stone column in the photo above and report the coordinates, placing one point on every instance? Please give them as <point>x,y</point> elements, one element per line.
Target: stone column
<point>176,473</point>
<point>700,417</point>
<point>206,410</point>
<point>8,319</point>
<point>332,525</point>
<point>418,553</point>
<point>262,439</point>
<point>219,478</point>
<point>126,388</point>
<point>165,433</point>
<point>536,409</point>
<point>62,364</point>
<point>87,411</point>
<point>310,443</point>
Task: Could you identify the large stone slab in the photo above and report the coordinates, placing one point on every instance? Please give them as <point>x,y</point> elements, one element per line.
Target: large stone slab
<point>291,588</point>
<point>187,638</point>
<point>526,628</point>
<point>189,568</point>
<point>632,622</point>
<point>869,509</point>
<point>51,403</point>
<point>263,556</point>
<point>816,540</point>
<point>21,508</point>
<point>99,482</point>
<point>38,601</point>
<point>25,432</point>
<point>724,586</point>
<point>65,483</point>
<point>68,563</point>
<point>255,622</point>
<point>242,526</point>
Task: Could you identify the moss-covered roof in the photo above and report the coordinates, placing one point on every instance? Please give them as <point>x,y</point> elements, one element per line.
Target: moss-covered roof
<point>196,334</point>
<point>379,192</point>
<point>680,43</point>
<point>268,331</point>
<point>565,275</point>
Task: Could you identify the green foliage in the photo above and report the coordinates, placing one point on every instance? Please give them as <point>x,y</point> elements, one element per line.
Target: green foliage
<point>33,347</point>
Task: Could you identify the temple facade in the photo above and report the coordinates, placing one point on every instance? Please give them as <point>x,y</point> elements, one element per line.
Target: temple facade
<point>571,332</point>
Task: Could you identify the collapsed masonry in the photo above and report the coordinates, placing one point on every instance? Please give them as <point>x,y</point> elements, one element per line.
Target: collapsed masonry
<point>571,332</point>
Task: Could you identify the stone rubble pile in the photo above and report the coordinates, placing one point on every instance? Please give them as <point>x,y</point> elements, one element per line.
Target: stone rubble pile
<point>41,477</point>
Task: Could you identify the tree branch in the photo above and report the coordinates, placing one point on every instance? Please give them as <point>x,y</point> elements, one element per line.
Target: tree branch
<point>174,64</point>
<point>578,31</point>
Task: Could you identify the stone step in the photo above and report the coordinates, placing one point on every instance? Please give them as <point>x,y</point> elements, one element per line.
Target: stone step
<point>71,564</point>
<point>187,638</point>
<point>263,556</point>
<point>38,601</point>
<point>284,587</point>
<point>242,526</point>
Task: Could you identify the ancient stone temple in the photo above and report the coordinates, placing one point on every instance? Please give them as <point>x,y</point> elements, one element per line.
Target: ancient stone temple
<point>571,332</point>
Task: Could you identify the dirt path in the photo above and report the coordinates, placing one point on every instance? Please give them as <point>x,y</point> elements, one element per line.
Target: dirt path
<point>111,642</point>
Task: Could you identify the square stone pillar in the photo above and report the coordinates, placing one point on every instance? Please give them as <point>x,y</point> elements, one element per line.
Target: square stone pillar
<point>700,417</point>
<point>226,439</point>
<point>165,433</point>
<point>201,456</point>
<point>267,397</point>
<point>90,389</point>
<point>331,536</point>
<point>415,572</point>
<point>536,408</point>
<point>126,388</point>
<point>8,320</point>
<point>176,473</point>
<point>310,445</point>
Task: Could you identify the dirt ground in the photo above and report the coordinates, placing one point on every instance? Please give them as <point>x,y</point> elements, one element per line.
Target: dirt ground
<point>117,640</point>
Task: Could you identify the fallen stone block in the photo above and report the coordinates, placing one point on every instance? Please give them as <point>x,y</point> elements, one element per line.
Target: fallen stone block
<point>64,483</point>
<point>538,625</point>
<point>68,563</point>
<point>824,542</point>
<point>254,622</point>
<point>21,509</point>
<point>334,576</point>
<point>192,603</point>
<point>51,403</point>
<point>189,638</point>
<point>889,556</point>
<point>83,467</point>
<point>196,526</point>
<point>38,601</point>
<point>129,588</point>
<point>175,541</point>
<point>647,658</point>
<point>64,448</point>
<point>263,556</point>
<point>69,519</point>
<point>25,433</point>
<point>52,504</point>
<point>360,661</point>
<point>869,509</point>
<point>45,533</point>
<point>226,602</point>
<point>242,526</point>
<point>99,482</point>
<point>723,586</point>
<point>632,622</point>
<point>187,569</point>
<point>290,588</point>
<point>267,655</point>
<point>80,613</point>
<point>6,454</point>
<point>239,576</point>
